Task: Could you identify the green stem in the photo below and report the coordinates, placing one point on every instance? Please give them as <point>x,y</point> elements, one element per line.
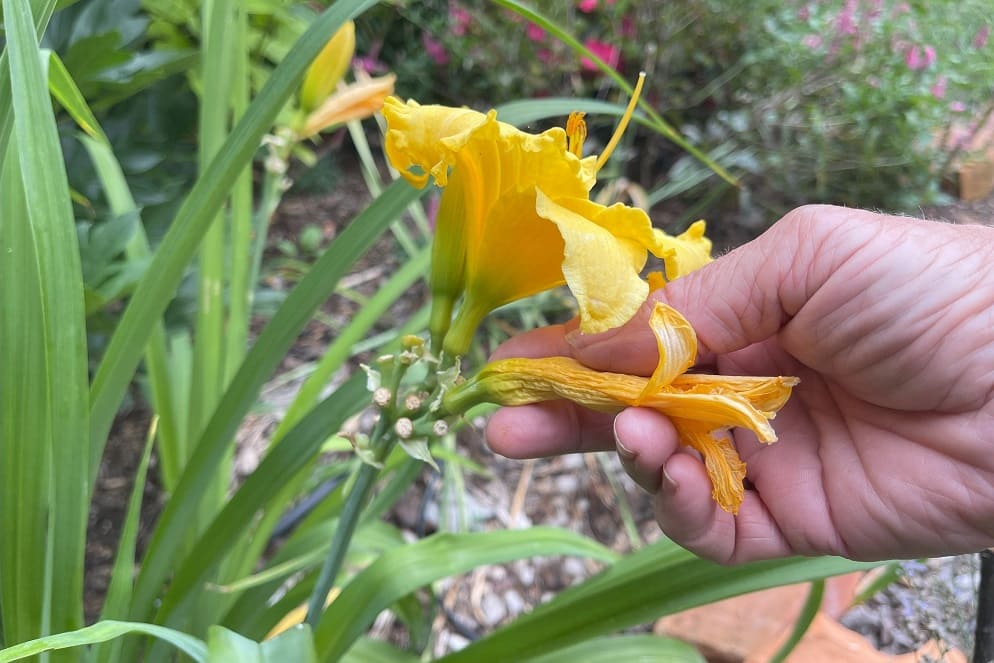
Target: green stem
<point>365,479</point>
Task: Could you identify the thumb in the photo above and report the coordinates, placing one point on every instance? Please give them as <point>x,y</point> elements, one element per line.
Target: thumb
<point>743,297</point>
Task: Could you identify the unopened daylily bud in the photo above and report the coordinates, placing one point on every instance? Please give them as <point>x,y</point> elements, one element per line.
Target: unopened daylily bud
<point>404,428</point>
<point>328,68</point>
<point>382,397</point>
<point>412,402</point>
<point>440,428</point>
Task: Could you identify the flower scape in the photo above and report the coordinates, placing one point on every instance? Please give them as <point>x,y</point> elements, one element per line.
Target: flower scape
<point>515,218</point>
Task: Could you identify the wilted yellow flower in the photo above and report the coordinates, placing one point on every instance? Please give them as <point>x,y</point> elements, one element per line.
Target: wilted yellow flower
<point>515,218</point>
<point>702,407</point>
<point>351,102</point>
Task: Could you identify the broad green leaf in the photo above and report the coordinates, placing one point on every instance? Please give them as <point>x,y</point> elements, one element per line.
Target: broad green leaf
<point>295,644</point>
<point>399,572</point>
<point>52,231</point>
<point>102,632</point>
<point>153,294</point>
<point>642,648</point>
<point>657,580</point>
<point>269,349</point>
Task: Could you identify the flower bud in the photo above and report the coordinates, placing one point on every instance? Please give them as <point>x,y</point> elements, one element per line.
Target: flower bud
<point>404,428</point>
<point>440,428</point>
<point>328,68</point>
<point>382,397</point>
<point>412,402</point>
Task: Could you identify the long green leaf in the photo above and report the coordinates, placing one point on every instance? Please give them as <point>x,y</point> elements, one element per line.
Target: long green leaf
<point>280,466</point>
<point>401,571</point>
<point>102,632</point>
<point>53,231</point>
<point>25,429</point>
<point>642,648</point>
<point>42,12</point>
<point>525,111</point>
<point>272,344</point>
<point>657,580</point>
<point>367,650</point>
<point>154,292</point>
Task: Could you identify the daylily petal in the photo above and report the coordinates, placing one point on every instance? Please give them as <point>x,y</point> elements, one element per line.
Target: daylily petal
<point>724,467</point>
<point>601,267</point>
<point>684,253</point>
<point>676,343</point>
<point>765,394</point>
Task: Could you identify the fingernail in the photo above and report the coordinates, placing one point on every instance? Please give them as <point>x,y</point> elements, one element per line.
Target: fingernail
<point>624,452</point>
<point>668,485</point>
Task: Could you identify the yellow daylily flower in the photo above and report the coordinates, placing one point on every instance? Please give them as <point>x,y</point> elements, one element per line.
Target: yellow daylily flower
<point>702,407</point>
<point>515,218</point>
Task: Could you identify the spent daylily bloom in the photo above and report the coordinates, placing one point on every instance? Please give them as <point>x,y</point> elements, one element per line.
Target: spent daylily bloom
<point>355,101</point>
<point>515,218</point>
<point>701,407</point>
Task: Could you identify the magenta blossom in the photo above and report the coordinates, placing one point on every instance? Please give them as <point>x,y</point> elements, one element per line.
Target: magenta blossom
<point>535,33</point>
<point>435,50</point>
<point>461,20</point>
<point>587,6</point>
<point>606,52</point>
<point>812,41</point>
<point>983,34</point>
<point>917,58</point>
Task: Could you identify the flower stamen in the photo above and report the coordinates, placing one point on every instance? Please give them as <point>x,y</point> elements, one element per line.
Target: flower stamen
<point>622,125</point>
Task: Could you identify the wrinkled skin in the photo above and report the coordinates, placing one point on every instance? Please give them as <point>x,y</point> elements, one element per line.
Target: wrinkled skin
<point>885,447</point>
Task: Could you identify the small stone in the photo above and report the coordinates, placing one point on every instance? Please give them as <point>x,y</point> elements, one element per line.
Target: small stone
<point>493,609</point>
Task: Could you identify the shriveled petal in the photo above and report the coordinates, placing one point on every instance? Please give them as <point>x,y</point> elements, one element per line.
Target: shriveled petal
<point>765,394</point>
<point>352,102</point>
<point>717,410</point>
<point>601,267</point>
<point>684,253</point>
<point>724,466</point>
<point>676,343</point>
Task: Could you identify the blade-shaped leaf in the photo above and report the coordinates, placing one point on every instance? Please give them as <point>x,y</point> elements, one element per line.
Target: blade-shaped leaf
<point>400,571</point>
<point>272,344</point>
<point>52,231</point>
<point>102,632</point>
<point>295,644</point>
<point>657,580</point>
<point>642,648</point>
<point>42,12</point>
<point>153,294</point>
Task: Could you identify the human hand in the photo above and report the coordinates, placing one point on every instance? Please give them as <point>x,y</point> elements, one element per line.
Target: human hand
<point>886,448</point>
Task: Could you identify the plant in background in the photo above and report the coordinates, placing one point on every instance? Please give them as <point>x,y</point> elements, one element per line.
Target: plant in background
<point>207,583</point>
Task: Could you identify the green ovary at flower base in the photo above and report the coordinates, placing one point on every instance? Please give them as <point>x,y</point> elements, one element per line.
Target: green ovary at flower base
<point>515,219</point>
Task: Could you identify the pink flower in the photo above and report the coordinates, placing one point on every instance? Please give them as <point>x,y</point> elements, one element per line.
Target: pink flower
<point>812,41</point>
<point>587,6</point>
<point>434,48</point>
<point>369,64</point>
<point>535,33</point>
<point>939,89</point>
<point>957,107</point>
<point>917,59</point>
<point>845,22</point>
<point>983,34</point>
<point>545,56</point>
<point>607,52</point>
<point>461,20</point>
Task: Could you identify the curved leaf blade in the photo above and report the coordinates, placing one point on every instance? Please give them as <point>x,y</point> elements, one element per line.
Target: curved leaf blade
<point>102,632</point>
